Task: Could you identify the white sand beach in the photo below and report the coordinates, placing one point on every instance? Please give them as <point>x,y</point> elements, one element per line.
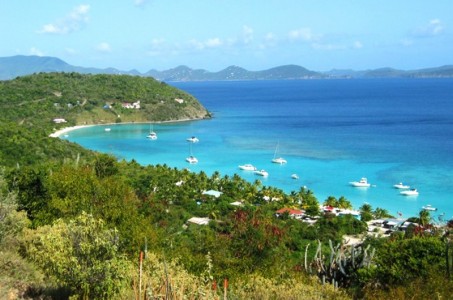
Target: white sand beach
<point>68,129</point>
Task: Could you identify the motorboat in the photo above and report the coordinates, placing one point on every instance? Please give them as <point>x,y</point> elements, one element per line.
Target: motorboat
<point>429,207</point>
<point>363,182</point>
<point>295,176</point>
<point>247,167</point>
<point>411,192</point>
<point>262,173</point>
<point>193,139</point>
<point>192,159</point>
<point>152,135</point>
<point>401,186</point>
<point>107,129</point>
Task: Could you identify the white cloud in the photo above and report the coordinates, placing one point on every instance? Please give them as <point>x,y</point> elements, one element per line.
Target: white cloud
<point>304,34</point>
<point>36,51</point>
<point>157,47</point>
<point>210,43</point>
<point>103,47</point>
<point>71,22</point>
<point>321,46</point>
<point>433,28</point>
<point>247,34</point>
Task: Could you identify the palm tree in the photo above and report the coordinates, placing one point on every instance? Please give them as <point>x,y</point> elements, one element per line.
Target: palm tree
<point>344,203</point>
<point>424,217</point>
<point>366,212</point>
<point>380,213</point>
<point>331,201</point>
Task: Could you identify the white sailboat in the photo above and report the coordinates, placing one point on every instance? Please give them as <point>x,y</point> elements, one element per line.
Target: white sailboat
<point>193,139</point>
<point>191,159</point>
<point>277,159</point>
<point>152,135</point>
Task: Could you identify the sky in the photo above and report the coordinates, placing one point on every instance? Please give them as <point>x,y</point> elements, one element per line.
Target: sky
<point>319,35</point>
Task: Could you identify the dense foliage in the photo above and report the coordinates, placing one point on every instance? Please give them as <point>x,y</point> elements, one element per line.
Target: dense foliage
<point>30,104</point>
<point>38,99</point>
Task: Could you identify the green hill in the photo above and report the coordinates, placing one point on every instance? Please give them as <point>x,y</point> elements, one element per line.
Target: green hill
<point>30,105</point>
<point>92,99</point>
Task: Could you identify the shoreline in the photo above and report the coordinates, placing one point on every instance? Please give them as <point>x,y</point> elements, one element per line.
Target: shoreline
<point>64,130</point>
<point>67,129</point>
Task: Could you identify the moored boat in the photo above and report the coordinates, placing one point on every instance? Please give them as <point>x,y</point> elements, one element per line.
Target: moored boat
<point>401,186</point>
<point>279,160</point>
<point>193,139</point>
<point>192,159</point>
<point>152,135</point>
<point>262,173</point>
<point>276,159</point>
<point>363,182</point>
<point>411,192</point>
<point>429,207</point>
<point>247,167</point>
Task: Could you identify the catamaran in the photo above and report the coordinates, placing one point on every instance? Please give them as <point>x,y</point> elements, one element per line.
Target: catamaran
<point>152,135</point>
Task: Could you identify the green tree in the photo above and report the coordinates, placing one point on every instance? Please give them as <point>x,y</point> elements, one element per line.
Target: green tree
<point>309,201</point>
<point>81,255</point>
<point>380,213</point>
<point>105,165</point>
<point>344,203</point>
<point>366,212</point>
<point>425,217</point>
<point>331,201</point>
<point>401,260</point>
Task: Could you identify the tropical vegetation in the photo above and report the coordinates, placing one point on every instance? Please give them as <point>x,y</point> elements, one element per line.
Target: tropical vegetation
<point>84,225</point>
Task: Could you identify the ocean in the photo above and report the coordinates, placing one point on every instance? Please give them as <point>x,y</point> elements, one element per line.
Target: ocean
<point>331,132</point>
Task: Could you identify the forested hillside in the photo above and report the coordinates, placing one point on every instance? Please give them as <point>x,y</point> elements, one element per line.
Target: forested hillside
<point>31,104</point>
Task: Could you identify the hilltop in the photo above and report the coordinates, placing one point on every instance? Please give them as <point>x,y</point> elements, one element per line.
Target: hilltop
<point>11,67</point>
<point>93,99</point>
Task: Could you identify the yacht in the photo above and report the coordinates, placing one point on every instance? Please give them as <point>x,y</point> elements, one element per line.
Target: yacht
<point>411,192</point>
<point>262,173</point>
<point>429,207</point>
<point>247,167</point>
<point>401,186</point>
<point>192,159</point>
<point>362,183</point>
<point>193,139</point>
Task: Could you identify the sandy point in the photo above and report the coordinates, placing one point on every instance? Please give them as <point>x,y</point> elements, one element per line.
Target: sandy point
<point>68,129</point>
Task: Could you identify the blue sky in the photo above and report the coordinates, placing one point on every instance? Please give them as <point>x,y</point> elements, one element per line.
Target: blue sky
<point>213,34</point>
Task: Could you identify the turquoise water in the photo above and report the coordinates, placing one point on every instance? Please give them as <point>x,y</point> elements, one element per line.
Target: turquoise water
<point>331,132</point>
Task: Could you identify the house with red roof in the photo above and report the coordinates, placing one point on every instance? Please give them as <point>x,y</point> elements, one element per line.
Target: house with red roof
<point>293,213</point>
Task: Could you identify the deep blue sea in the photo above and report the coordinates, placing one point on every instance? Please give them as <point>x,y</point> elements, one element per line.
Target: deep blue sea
<point>331,132</point>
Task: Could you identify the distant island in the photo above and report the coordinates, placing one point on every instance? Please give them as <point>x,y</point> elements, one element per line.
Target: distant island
<point>14,66</point>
